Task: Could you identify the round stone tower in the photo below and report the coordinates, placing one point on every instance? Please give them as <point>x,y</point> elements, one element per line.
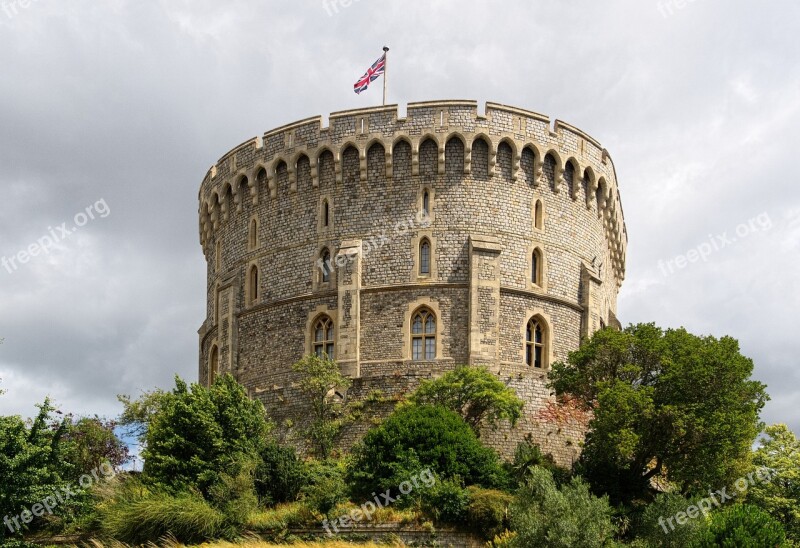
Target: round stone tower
<point>406,246</point>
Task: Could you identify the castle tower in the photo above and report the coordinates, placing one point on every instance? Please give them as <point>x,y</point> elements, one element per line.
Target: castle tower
<point>407,246</point>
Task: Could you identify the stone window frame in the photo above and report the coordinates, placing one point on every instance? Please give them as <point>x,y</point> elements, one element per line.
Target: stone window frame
<point>252,235</point>
<point>218,256</point>
<point>420,213</point>
<point>547,336</point>
<point>252,299</point>
<point>314,316</point>
<point>410,310</point>
<point>321,226</point>
<point>416,243</point>
<point>211,371</point>
<point>541,286</point>
<point>317,275</point>
<point>538,217</point>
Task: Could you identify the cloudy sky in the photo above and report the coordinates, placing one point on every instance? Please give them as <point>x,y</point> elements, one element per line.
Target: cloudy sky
<point>119,107</point>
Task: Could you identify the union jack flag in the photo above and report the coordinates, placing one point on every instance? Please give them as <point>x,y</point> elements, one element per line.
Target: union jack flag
<point>377,69</point>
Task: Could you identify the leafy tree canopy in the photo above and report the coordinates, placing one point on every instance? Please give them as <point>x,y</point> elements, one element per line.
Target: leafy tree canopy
<point>779,453</point>
<point>202,432</point>
<point>473,392</point>
<point>665,404</point>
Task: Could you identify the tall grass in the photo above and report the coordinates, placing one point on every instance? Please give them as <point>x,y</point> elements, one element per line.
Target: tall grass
<point>154,515</point>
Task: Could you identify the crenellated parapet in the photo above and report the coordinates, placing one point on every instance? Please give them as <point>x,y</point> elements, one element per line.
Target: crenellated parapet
<point>547,156</point>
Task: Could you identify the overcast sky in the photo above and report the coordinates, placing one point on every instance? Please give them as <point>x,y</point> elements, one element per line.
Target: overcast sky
<point>121,106</point>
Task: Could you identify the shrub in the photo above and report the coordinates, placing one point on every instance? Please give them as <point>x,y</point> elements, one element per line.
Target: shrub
<point>488,511</point>
<point>279,474</point>
<point>149,516</point>
<point>743,526</point>
<point>527,455</point>
<point>473,392</point>
<point>416,437</point>
<point>654,528</point>
<point>197,434</point>
<point>325,486</point>
<point>446,501</point>
<point>566,517</point>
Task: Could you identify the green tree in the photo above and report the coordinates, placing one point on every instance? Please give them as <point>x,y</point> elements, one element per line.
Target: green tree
<point>320,378</point>
<point>33,462</point>
<point>473,392</point>
<point>779,454</point>
<point>743,526</point>
<point>666,404</point>
<point>418,437</point>
<point>137,413</point>
<point>201,432</point>
<point>92,441</point>
<point>568,517</point>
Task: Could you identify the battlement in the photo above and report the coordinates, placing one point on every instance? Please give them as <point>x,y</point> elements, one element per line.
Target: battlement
<point>577,159</point>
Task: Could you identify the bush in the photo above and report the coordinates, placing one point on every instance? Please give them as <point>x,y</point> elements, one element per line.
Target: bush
<point>446,501</point>
<point>279,475</point>
<point>566,517</point>
<point>743,526</point>
<point>325,486</point>
<point>654,528</point>
<point>527,455</point>
<point>146,516</point>
<point>416,437</point>
<point>488,511</point>
<point>197,433</point>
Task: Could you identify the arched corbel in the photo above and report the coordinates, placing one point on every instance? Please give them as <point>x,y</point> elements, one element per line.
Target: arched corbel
<point>441,158</point>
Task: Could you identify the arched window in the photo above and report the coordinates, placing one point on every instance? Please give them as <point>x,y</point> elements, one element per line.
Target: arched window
<point>323,337</point>
<point>425,257</point>
<point>423,335</point>
<point>536,266</point>
<point>213,364</point>
<point>326,214</point>
<point>538,215</point>
<point>426,202</point>
<point>253,285</point>
<point>535,344</point>
<point>252,239</point>
<point>325,256</point>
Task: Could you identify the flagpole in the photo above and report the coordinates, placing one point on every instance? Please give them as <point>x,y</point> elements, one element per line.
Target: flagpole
<point>385,71</point>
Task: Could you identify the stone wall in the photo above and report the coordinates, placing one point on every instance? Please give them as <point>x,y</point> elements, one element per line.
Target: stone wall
<point>263,231</point>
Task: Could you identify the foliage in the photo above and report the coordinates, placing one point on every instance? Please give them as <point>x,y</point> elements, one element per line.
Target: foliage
<point>473,392</point>
<point>743,526</point>
<point>137,515</point>
<point>654,528</point>
<point>325,487</point>
<point>780,496</point>
<point>569,516</point>
<point>319,378</point>
<point>446,501</point>
<point>279,474</point>
<point>33,461</point>
<point>488,511</point>
<point>665,404</point>
<point>92,441</point>
<point>199,433</point>
<point>137,414</point>
<point>415,437</point>
<point>528,455</point>
<point>506,539</point>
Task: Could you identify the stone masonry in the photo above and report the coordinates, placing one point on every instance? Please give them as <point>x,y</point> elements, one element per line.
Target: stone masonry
<point>485,192</point>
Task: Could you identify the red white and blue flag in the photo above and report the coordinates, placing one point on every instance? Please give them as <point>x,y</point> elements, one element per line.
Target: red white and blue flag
<point>377,69</point>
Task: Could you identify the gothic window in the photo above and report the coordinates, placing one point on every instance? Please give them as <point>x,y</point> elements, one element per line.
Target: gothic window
<point>535,344</point>
<point>323,337</point>
<point>536,267</point>
<point>423,335</point>
<point>252,238</point>
<point>426,202</point>
<point>326,214</point>
<point>538,215</point>
<point>326,266</point>
<point>213,365</point>
<point>425,257</point>
<point>253,285</point>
